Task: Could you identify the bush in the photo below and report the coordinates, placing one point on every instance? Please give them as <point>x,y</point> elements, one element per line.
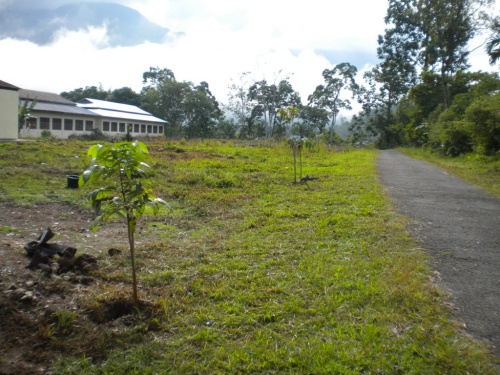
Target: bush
<point>448,134</point>
<point>482,122</point>
<point>450,138</point>
<point>96,135</point>
<point>47,135</point>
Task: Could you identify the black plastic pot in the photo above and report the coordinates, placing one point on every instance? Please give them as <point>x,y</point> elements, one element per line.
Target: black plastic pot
<point>73,181</point>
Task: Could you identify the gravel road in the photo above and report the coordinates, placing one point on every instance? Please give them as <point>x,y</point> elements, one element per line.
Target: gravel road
<point>459,226</point>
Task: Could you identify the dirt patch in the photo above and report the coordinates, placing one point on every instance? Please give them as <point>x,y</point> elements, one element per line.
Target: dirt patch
<point>44,314</point>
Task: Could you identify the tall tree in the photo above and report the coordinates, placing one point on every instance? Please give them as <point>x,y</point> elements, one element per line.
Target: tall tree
<point>431,35</point>
<point>328,96</point>
<point>239,103</point>
<point>166,100</point>
<point>93,92</point>
<point>313,119</point>
<point>190,110</point>
<point>125,95</point>
<point>202,112</point>
<point>269,98</point>
<point>156,76</point>
<point>493,43</point>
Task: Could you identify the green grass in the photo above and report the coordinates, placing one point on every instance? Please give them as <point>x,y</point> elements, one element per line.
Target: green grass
<point>481,171</point>
<point>253,274</point>
<point>35,172</point>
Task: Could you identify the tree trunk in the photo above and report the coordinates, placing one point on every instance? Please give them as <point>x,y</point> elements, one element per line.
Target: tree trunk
<point>294,163</point>
<point>131,243</point>
<point>300,161</point>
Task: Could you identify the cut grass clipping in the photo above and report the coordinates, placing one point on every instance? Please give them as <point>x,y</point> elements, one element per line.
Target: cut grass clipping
<point>255,274</point>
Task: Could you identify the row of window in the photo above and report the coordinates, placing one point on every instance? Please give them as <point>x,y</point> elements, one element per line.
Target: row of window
<point>47,123</point>
<point>121,127</point>
<point>44,123</point>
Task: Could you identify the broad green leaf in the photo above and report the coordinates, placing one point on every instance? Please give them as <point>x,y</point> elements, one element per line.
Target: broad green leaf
<point>142,147</point>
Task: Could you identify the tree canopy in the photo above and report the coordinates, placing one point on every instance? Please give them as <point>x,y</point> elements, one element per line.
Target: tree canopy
<point>420,93</point>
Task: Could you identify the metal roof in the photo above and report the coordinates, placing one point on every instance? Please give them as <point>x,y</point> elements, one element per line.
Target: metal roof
<point>111,106</point>
<point>127,116</point>
<point>42,96</point>
<point>8,86</point>
<point>62,108</point>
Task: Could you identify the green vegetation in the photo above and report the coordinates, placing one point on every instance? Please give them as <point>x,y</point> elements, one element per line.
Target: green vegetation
<point>481,171</point>
<point>250,273</point>
<point>35,172</point>
<point>125,192</point>
<point>421,93</point>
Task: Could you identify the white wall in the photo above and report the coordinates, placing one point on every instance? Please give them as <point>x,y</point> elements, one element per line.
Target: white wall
<point>36,132</point>
<point>9,103</point>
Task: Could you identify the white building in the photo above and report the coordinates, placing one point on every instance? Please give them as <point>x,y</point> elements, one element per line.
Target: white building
<point>64,118</point>
<point>9,106</point>
<point>116,119</point>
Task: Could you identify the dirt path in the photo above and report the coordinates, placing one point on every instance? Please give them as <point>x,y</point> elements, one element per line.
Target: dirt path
<point>459,226</point>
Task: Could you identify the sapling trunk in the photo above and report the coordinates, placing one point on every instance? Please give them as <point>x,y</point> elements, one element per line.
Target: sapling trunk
<point>300,161</point>
<point>131,243</point>
<point>294,163</point>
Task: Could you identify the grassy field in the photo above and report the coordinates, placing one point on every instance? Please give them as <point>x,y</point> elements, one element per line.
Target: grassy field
<point>481,171</point>
<point>252,274</point>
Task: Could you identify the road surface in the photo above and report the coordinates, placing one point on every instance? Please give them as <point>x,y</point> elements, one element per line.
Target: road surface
<point>459,226</point>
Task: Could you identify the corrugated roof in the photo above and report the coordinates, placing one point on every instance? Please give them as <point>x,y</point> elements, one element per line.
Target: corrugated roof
<point>42,96</point>
<point>110,106</point>
<point>8,86</point>
<point>127,116</point>
<point>62,108</point>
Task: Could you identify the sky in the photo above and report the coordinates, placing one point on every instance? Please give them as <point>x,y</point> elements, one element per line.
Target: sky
<point>213,41</point>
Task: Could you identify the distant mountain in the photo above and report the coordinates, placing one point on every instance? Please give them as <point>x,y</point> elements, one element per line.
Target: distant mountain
<point>126,26</point>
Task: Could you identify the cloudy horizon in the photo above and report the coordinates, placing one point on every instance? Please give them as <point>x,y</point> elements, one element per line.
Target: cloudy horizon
<point>204,41</point>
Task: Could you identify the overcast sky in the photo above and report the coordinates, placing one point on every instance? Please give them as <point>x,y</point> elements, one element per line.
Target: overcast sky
<point>213,41</point>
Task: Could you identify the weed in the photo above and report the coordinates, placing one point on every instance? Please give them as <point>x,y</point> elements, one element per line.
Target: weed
<point>64,320</point>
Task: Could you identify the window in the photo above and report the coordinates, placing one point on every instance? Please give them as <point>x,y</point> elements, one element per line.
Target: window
<point>136,128</point>
<point>114,126</point>
<point>68,124</point>
<point>31,123</point>
<point>149,128</point>
<point>89,125</point>
<point>79,125</point>
<point>56,124</point>
<point>44,123</point>
<point>155,129</point>
<point>122,127</point>
<point>160,129</point>
<point>143,128</point>
<point>105,126</point>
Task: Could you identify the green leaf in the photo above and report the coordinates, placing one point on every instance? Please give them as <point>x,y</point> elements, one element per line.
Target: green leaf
<point>142,147</point>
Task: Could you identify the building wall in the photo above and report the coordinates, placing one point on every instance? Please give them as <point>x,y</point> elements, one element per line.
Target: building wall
<point>64,125</point>
<point>59,125</point>
<point>9,102</point>
<point>118,128</point>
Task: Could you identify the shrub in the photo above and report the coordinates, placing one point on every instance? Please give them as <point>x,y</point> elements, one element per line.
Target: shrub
<point>482,121</point>
<point>46,134</point>
<point>450,138</point>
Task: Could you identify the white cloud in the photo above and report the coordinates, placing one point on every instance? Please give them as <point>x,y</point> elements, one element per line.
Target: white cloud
<point>220,40</point>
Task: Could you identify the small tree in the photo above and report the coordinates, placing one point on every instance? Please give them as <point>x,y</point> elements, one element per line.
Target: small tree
<point>287,115</point>
<point>297,143</point>
<point>24,111</point>
<point>125,192</point>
